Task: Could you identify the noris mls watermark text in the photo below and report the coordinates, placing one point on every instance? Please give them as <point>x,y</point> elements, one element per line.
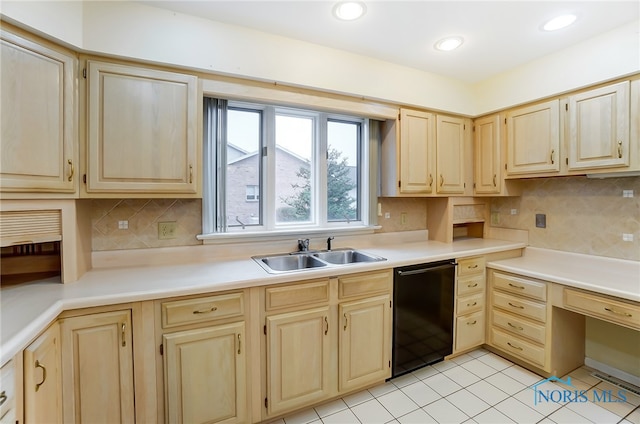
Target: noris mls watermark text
<point>543,394</point>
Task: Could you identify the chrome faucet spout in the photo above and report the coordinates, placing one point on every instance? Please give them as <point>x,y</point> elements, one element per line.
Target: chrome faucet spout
<point>303,245</point>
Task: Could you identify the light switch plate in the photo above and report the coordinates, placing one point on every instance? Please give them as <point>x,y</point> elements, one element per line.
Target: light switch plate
<point>541,220</point>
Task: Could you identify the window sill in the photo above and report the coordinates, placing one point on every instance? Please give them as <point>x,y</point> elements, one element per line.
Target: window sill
<point>249,236</point>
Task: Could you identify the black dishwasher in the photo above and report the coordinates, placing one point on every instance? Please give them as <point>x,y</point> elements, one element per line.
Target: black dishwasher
<point>423,297</point>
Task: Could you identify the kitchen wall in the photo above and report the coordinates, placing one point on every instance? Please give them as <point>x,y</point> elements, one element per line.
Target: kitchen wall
<point>414,208</point>
<point>582,215</point>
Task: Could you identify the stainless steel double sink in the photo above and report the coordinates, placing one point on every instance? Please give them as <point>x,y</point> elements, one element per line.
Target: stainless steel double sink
<point>300,261</point>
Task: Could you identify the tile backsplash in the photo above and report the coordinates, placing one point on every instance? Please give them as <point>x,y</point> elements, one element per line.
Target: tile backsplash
<point>582,215</point>
<point>142,217</point>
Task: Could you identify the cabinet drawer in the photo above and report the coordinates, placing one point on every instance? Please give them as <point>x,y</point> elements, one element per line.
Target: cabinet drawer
<point>470,284</point>
<point>470,303</point>
<point>602,307</point>
<point>516,305</point>
<point>365,284</point>
<point>7,391</point>
<point>471,266</point>
<point>518,347</point>
<point>516,325</point>
<point>297,294</point>
<point>521,286</point>
<point>469,331</point>
<point>190,311</point>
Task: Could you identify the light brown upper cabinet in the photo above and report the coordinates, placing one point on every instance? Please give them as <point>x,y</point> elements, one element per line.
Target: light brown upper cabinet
<point>450,154</point>
<point>142,131</point>
<point>599,128</point>
<point>38,121</point>
<point>417,151</point>
<point>533,139</point>
<point>488,172</point>
<point>425,154</point>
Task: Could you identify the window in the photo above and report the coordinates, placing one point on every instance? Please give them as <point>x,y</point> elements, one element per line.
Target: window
<point>271,168</point>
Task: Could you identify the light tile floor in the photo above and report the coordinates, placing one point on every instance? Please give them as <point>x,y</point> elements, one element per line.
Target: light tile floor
<point>477,387</point>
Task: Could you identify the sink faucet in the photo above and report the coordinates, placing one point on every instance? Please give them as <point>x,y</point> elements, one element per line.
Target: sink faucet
<point>329,242</point>
<point>303,245</point>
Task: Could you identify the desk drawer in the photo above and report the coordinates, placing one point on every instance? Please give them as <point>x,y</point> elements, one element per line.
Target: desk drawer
<point>603,307</point>
<point>470,304</point>
<point>518,347</point>
<point>470,284</point>
<point>520,306</point>
<point>311,292</point>
<point>202,309</point>
<point>516,325</point>
<point>471,266</point>
<point>521,286</point>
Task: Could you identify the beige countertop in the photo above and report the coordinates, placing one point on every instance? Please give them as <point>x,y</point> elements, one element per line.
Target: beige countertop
<point>614,277</point>
<point>28,309</point>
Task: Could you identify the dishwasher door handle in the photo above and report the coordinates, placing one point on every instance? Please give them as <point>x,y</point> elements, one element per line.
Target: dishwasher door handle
<point>425,270</point>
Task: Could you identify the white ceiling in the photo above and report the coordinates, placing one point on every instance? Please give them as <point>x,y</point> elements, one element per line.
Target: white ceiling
<point>499,35</point>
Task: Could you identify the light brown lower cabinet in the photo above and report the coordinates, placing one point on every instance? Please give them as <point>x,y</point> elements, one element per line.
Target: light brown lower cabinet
<point>205,374</point>
<point>43,378</point>
<point>97,368</point>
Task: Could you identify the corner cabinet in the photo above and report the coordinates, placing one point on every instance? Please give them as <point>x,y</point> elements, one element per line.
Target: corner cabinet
<point>38,120</point>
<point>43,378</point>
<point>533,139</point>
<point>599,128</point>
<point>142,131</point>
<point>97,368</point>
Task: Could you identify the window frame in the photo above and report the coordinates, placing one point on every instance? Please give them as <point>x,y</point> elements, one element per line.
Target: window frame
<point>367,168</point>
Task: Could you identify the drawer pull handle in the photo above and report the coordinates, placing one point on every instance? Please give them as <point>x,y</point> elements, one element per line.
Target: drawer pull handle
<point>3,397</point>
<point>430,180</point>
<point>345,322</point>
<point>190,174</point>
<point>515,347</point>
<point>326,328</point>
<point>124,338</point>
<point>620,149</point>
<point>552,153</point>
<point>517,327</point>
<point>472,267</point>
<point>613,311</point>
<point>516,287</point>
<point>516,306</point>
<point>71,170</point>
<point>44,374</point>
<point>494,180</point>
<point>472,323</point>
<point>206,311</point>
<point>239,344</point>
<point>441,180</point>
<point>472,285</point>
<point>472,304</point>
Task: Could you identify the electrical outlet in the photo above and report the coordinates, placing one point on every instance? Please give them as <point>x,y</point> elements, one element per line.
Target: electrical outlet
<point>403,218</point>
<point>514,211</point>
<point>627,193</point>
<point>123,225</point>
<point>387,215</point>
<point>167,230</point>
<point>627,237</point>
<point>541,220</point>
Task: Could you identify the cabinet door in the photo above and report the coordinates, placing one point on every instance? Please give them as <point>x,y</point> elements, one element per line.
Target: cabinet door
<point>450,135</point>
<point>365,342</point>
<point>298,350</point>
<point>97,368</point>
<point>533,139</point>
<point>599,128</point>
<point>142,130</point>
<point>37,120</point>
<point>42,378</point>
<point>417,151</point>
<point>205,375</point>
<point>488,174</point>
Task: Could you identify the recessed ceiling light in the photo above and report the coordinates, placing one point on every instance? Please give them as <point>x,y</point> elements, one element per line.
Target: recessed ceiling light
<point>559,22</point>
<point>349,10</point>
<point>449,43</point>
